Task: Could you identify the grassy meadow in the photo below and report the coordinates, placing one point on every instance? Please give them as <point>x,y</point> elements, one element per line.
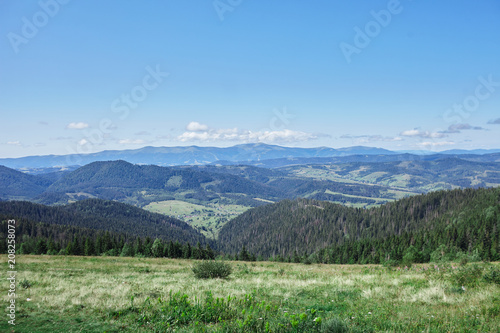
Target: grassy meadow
<point>115,294</point>
<point>207,219</point>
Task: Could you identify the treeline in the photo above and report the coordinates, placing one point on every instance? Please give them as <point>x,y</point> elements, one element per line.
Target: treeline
<point>466,219</point>
<point>41,238</point>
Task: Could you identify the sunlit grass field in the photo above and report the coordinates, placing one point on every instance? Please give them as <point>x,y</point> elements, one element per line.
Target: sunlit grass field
<point>114,294</point>
<point>206,219</point>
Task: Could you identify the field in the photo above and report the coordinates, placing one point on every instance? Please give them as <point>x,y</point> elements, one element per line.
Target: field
<point>207,219</point>
<point>114,294</point>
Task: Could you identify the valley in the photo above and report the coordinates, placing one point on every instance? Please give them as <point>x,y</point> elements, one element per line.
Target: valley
<point>206,219</point>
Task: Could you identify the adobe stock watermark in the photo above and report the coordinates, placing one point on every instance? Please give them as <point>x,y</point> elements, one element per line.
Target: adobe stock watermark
<point>461,111</point>
<point>456,115</point>
<point>373,28</point>
<point>32,25</point>
<point>223,6</point>
<point>121,107</point>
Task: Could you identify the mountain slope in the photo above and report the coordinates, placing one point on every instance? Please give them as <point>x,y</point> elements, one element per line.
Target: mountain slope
<point>309,225</point>
<point>417,175</point>
<point>105,215</point>
<point>17,185</point>
<point>142,184</point>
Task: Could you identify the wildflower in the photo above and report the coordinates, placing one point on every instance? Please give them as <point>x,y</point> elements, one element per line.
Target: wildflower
<point>369,313</point>
<point>28,299</point>
<point>463,288</point>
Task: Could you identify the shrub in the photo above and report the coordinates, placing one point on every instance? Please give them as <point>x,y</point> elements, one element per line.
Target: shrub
<point>212,269</point>
<point>492,275</point>
<point>467,275</point>
<point>334,325</point>
<point>391,263</point>
<point>25,284</point>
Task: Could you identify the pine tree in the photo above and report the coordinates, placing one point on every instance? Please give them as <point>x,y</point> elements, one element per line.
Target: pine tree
<point>138,248</point>
<point>88,247</point>
<point>244,254</point>
<point>209,252</point>
<point>186,253</point>
<point>157,248</point>
<point>41,246</point>
<point>127,250</point>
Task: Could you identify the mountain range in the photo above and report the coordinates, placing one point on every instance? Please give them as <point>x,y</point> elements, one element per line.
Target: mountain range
<point>194,155</point>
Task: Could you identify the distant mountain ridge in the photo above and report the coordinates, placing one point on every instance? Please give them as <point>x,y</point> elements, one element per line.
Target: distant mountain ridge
<point>253,153</point>
<point>191,155</point>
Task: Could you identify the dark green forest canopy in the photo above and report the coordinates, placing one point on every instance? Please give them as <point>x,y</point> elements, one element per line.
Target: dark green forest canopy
<point>468,219</point>
<point>104,215</point>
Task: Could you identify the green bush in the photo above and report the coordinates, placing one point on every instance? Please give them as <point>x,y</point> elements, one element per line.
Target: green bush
<point>391,263</point>
<point>492,275</point>
<point>212,269</point>
<point>25,284</point>
<point>467,275</point>
<point>334,325</point>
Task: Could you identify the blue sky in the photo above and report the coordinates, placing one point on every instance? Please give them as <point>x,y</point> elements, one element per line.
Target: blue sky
<point>86,76</point>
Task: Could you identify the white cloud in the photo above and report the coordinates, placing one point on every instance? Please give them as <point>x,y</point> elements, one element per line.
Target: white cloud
<point>14,143</point>
<point>435,144</point>
<point>494,121</point>
<point>423,134</point>
<point>371,138</point>
<point>79,125</point>
<point>233,134</point>
<point>82,142</point>
<point>457,128</point>
<point>195,126</point>
<point>131,142</point>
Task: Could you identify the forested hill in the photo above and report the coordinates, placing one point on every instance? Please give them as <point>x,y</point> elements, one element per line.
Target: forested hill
<point>15,184</point>
<point>122,181</point>
<point>306,226</point>
<point>104,215</point>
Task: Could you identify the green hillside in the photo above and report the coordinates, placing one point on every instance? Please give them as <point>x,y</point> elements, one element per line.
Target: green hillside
<point>469,219</point>
<point>141,185</point>
<point>17,185</point>
<point>104,215</point>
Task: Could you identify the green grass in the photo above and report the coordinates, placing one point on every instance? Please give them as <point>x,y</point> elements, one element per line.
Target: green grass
<point>108,294</point>
<point>207,219</point>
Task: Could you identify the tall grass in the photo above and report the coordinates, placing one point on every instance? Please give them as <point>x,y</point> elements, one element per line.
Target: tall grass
<point>97,294</point>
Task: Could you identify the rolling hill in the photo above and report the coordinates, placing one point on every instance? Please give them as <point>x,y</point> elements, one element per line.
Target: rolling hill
<point>141,184</point>
<point>18,185</point>
<point>412,175</point>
